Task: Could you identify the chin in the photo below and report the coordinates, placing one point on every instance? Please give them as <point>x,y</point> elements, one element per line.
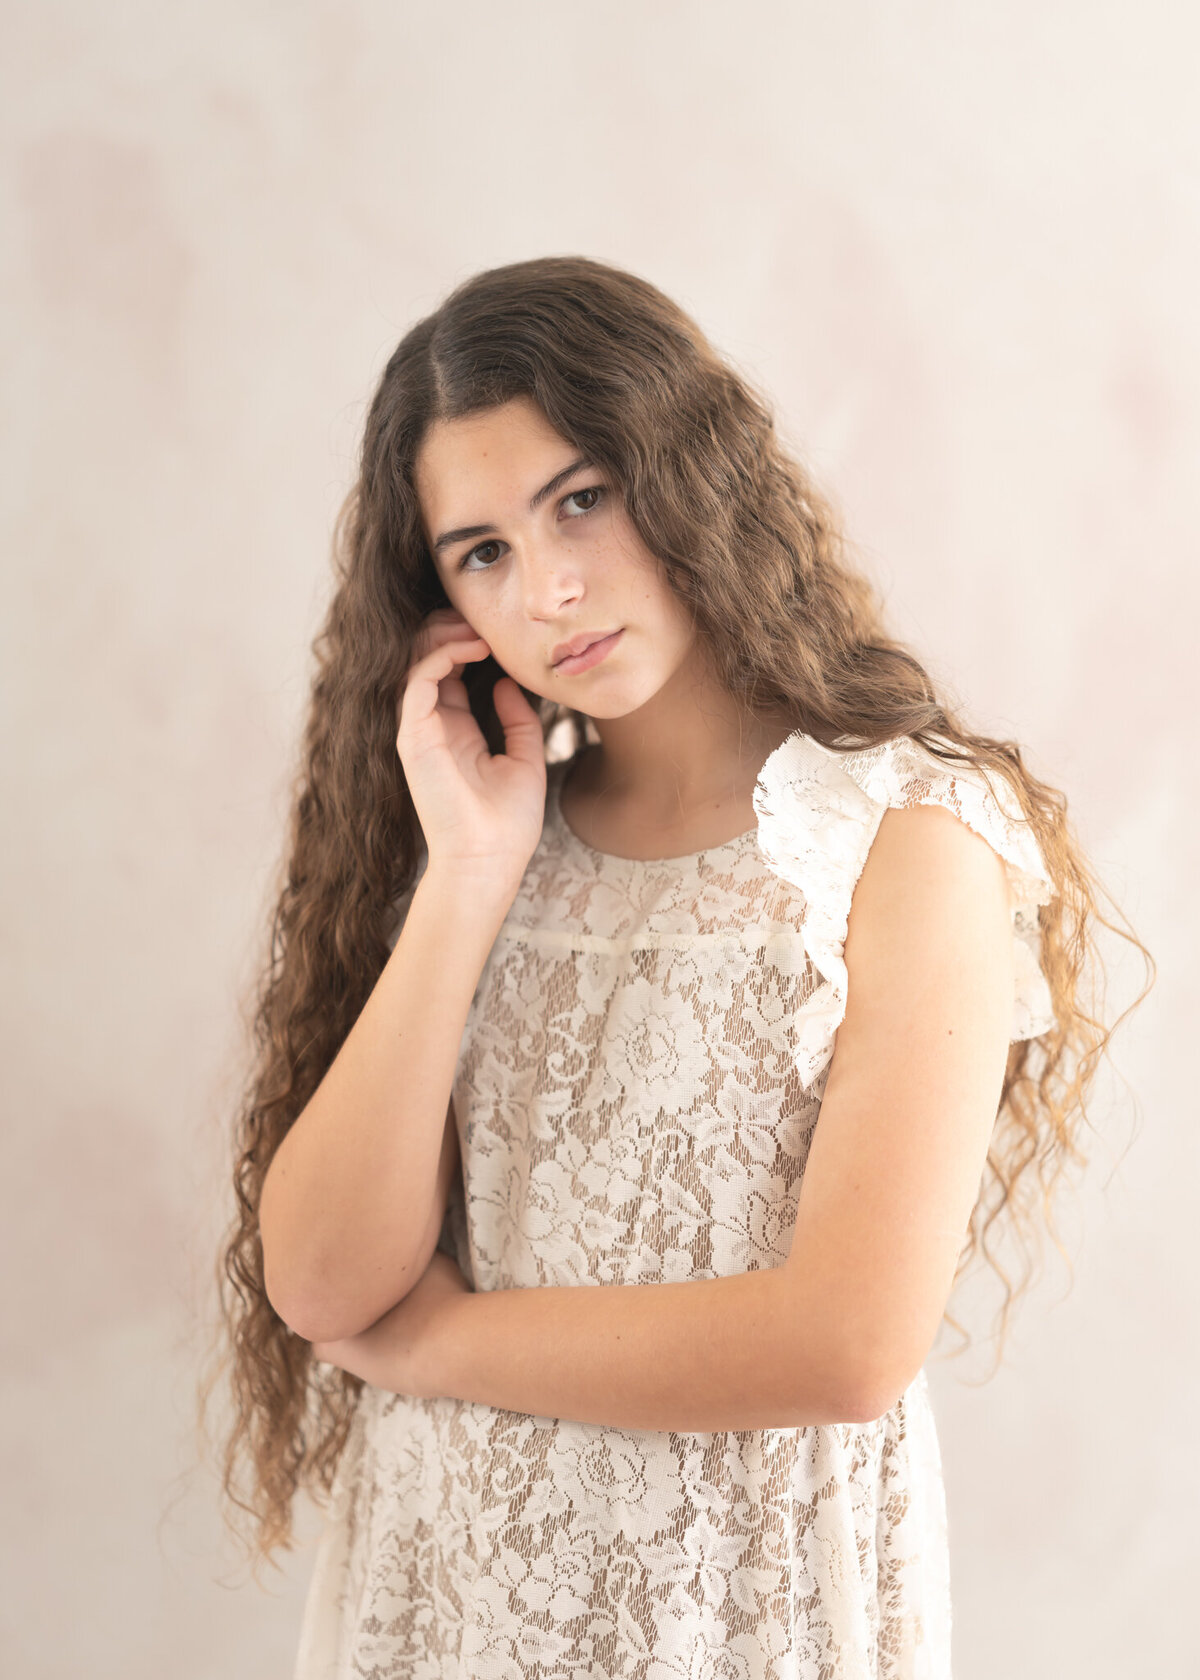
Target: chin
<point>615,707</point>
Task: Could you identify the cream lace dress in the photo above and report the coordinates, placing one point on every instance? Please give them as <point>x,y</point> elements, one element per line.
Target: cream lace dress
<point>636,1091</point>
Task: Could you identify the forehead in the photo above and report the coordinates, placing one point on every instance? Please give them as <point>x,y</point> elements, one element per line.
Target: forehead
<point>494,452</point>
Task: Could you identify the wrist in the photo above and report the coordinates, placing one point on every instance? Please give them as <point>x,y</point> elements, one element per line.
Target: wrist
<point>469,890</point>
<point>446,1345</point>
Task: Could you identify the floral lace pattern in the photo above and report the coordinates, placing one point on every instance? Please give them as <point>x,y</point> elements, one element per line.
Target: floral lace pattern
<point>637,1088</point>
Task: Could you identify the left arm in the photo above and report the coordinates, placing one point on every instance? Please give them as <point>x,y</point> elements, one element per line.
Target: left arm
<point>841,1328</point>
<point>712,1353</point>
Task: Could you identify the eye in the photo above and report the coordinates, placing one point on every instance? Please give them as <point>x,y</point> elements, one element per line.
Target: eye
<point>594,490</point>
<point>479,547</point>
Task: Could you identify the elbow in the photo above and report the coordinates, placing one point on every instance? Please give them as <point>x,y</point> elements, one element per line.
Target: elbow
<point>320,1298</point>
<point>866,1391</point>
<point>871,1396</point>
<point>314,1323</point>
<point>854,1404</point>
<point>290,1305</point>
<point>278,1278</point>
<point>835,1365</point>
<point>857,1402</point>
<point>298,1323</point>
<point>317,1312</point>
<point>318,1319</point>
<point>870,1406</point>
<point>827,1391</point>
<point>293,1312</point>
<point>319,1304</point>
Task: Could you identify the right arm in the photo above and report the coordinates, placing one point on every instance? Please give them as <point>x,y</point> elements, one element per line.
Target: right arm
<point>353,1200</point>
<point>356,1187</point>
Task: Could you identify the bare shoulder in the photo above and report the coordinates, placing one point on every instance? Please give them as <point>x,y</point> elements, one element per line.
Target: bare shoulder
<point>929,932</point>
<point>924,858</point>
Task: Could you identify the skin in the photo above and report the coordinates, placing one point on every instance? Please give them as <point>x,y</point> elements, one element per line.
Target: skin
<point>677,758</point>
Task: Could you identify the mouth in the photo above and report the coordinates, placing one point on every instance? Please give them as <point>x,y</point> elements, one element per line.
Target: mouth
<point>588,656</point>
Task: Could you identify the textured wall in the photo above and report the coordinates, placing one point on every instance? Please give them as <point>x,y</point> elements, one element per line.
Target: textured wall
<point>961,245</point>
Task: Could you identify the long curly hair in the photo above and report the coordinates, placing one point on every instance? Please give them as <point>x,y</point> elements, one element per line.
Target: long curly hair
<point>753,547</point>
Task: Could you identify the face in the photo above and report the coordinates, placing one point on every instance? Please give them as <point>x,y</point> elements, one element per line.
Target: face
<point>534,548</point>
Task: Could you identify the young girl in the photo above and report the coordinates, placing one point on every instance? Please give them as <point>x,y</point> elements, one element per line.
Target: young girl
<point>623,1099</point>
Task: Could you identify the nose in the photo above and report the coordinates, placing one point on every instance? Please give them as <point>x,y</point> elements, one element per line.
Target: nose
<point>550,578</point>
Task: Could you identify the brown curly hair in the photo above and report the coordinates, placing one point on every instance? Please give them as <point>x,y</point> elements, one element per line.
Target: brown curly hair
<point>754,549</point>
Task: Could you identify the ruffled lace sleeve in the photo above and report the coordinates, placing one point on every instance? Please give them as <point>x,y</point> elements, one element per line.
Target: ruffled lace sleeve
<point>818,812</point>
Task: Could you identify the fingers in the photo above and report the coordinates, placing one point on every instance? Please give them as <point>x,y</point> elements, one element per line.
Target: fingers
<point>443,621</point>
<point>437,665</point>
<point>442,626</point>
<point>523,737</point>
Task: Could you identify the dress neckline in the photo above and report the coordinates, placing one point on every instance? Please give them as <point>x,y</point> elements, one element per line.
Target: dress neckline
<point>557,777</point>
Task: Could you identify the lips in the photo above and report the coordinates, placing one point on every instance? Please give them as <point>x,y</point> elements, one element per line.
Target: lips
<point>577,644</point>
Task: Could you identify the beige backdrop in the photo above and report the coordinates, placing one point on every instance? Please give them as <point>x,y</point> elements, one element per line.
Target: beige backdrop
<point>961,245</point>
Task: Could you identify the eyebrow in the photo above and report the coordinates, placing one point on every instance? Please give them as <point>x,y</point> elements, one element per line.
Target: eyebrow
<point>465,532</point>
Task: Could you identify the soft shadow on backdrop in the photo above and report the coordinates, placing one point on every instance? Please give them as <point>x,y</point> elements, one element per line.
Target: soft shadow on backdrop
<point>961,248</point>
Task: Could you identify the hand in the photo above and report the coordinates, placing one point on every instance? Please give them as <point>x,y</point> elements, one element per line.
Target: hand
<point>478,810</point>
<point>398,1351</point>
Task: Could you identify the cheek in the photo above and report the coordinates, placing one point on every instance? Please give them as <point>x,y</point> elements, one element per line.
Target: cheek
<point>513,642</point>
<point>661,605</point>
<point>639,574</point>
<point>474,610</point>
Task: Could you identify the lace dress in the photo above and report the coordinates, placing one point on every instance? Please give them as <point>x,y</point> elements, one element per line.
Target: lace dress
<point>636,1091</point>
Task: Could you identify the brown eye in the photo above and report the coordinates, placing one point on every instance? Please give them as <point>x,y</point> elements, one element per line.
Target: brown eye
<point>478,549</point>
<point>595,491</point>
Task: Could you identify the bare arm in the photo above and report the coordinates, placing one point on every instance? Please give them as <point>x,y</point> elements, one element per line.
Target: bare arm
<point>754,1350</point>
<point>352,1194</point>
<point>360,1181</point>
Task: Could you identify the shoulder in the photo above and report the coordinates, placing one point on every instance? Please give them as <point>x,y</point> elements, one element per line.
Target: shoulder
<point>820,809</point>
<point>929,921</point>
<point>926,852</point>
<point>950,855</point>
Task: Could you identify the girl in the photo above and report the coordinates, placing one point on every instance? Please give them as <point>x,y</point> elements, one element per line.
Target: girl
<point>660,968</point>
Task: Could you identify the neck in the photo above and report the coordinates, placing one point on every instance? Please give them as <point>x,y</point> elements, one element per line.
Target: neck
<point>692,747</point>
